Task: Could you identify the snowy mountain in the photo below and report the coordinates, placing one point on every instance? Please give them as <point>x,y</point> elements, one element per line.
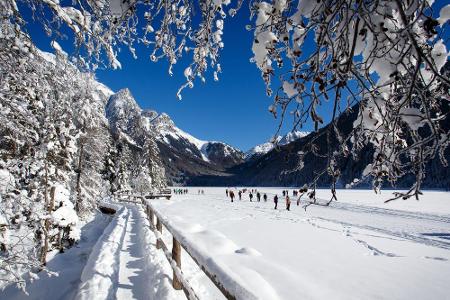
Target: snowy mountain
<point>183,155</point>
<point>262,149</point>
<point>209,151</point>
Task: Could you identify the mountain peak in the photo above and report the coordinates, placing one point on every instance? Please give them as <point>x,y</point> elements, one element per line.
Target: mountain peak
<point>122,109</point>
<point>164,121</point>
<point>122,101</point>
<point>124,92</point>
<point>262,149</point>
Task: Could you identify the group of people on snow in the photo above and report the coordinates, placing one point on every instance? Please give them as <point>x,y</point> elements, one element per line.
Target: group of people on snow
<point>180,191</point>
<point>251,192</point>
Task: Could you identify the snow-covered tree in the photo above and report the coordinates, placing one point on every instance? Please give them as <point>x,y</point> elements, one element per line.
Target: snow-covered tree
<point>41,133</point>
<point>387,56</point>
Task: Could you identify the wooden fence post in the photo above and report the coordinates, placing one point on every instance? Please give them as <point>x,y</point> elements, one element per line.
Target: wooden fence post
<point>176,256</point>
<point>151,217</point>
<point>159,228</point>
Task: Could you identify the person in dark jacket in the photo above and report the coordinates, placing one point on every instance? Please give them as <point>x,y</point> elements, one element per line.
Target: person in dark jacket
<point>231,195</point>
<point>240,195</point>
<point>288,203</point>
<point>265,198</point>
<point>275,200</point>
<point>284,193</point>
<point>251,197</point>
<point>226,191</point>
<point>258,196</point>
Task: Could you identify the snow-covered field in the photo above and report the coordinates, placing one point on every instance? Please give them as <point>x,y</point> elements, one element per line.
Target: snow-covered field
<point>358,248</point>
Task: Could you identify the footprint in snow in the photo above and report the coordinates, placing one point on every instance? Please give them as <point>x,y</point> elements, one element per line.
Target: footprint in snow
<point>436,258</point>
<point>248,251</point>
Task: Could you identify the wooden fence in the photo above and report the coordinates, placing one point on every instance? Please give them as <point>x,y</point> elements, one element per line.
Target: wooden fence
<point>174,257</point>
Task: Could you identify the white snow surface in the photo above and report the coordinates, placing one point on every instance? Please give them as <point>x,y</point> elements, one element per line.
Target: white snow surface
<point>357,248</point>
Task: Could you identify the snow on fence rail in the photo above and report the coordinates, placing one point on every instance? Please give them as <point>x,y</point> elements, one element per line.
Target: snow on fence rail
<point>228,285</point>
<point>129,196</point>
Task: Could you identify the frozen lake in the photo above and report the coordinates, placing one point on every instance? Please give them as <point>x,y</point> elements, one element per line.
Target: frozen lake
<point>358,247</point>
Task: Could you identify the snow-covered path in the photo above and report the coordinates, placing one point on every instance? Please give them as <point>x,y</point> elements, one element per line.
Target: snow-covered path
<point>133,281</point>
<point>125,263</point>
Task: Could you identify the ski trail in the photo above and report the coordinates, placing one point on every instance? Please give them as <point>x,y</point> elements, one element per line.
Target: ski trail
<point>133,279</point>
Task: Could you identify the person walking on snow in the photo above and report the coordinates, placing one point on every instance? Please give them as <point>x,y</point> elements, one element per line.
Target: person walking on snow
<point>240,195</point>
<point>258,196</point>
<point>251,197</point>
<point>265,198</point>
<point>284,193</point>
<point>275,200</point>
<point>226,192</point>
<point>288,203</point>
<point>232,196</point>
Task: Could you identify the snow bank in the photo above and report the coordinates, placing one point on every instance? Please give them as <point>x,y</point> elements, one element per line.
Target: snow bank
<point>101,271</point>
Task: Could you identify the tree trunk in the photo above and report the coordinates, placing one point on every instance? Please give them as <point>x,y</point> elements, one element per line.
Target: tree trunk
<point>47,223</point>
<point>78,182</point>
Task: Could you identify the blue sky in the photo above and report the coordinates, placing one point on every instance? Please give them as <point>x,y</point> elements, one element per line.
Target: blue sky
<point>233,110</point>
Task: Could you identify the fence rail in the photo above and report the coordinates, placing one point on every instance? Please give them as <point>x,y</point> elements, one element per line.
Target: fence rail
<point>178,279</point>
